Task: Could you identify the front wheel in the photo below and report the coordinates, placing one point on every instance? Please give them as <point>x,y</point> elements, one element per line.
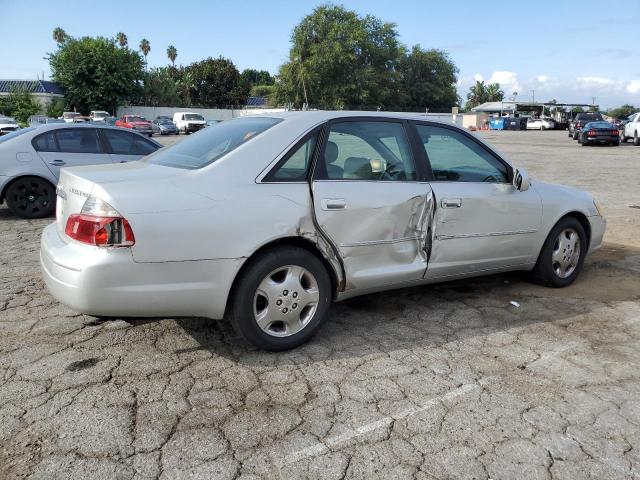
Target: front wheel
<point>562,255</point>
<point>31,197</point>
<point>281,299</point>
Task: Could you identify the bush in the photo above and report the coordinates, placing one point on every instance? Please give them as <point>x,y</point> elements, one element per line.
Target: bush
<point>20,104</point>
<point>55,108</point>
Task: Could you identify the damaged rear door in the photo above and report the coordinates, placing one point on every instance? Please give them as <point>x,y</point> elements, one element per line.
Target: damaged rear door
<point>371,203</point>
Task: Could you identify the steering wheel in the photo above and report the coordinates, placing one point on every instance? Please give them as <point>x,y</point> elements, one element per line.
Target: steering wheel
<point>490,178</point>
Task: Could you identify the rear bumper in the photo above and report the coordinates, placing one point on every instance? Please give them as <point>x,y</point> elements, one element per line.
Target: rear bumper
<point>108,282</point>
<point>602,139</point>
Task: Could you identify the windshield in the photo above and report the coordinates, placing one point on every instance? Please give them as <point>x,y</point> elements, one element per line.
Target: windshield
<point>15,134</point>
<point>135,118</point>
<point>100,114</point>
<point>164,121</point>
<point>193,116</point>
<point>211,144</point>
<point>599,125</point>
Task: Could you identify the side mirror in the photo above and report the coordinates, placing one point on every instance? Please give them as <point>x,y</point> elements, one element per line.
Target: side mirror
<point>521,180</point>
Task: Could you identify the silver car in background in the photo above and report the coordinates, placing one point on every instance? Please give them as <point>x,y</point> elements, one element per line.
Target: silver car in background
<point>31,159</point>
<point>266,220</point>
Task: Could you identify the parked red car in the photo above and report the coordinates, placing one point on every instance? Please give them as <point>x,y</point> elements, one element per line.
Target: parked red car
<point>135,122</point>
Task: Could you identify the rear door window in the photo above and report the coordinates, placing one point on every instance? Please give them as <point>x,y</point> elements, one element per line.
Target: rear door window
<point>45,142</point>
<point>78,140</point>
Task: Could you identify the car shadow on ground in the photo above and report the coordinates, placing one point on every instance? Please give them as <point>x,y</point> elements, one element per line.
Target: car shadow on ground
<point>433,315</point>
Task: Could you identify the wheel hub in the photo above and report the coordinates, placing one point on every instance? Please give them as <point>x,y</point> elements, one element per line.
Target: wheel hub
<point>566,253</point>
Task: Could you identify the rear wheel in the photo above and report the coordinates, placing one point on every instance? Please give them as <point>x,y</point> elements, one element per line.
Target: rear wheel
<point>31,197</point>
<point>636,139</point>
<point>281,299</point>
<point>575,135</point>
<point>562,255</point>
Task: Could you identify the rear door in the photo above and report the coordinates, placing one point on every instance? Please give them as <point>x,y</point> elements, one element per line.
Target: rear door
<point>482,222</point>
<point>371,201</point>
<point>70,147</point>
<point>126,146</point>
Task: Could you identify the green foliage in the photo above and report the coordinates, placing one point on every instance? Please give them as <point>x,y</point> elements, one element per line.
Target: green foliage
<point>216,82</point>
<point>172,54</point>
<point>428,78</point>
<point>161,87</point>
<point>622,112</point>
<point>122,39</point>
<point>254,77</point>
<point>577,110</point>
<point>55,108</point>
<point>20,105</point>
<point>96,74</point>
<point>59,35</point>
<point>341,59</point>
<point>481,93</point>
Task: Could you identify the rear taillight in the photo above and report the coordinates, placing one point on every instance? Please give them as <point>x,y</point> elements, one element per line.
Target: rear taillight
<point>100,224</point>
<point>591,133</point>
<point>615,132</point>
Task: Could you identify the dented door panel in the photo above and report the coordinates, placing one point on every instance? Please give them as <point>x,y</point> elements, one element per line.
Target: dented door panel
<point>381,230</point>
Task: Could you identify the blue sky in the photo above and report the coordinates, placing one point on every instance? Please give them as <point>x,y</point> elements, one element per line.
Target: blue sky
<point>565,50</point>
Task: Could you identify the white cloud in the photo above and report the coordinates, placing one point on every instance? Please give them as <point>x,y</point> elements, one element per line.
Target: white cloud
<point>633,86</point>
<point>542,79</point>
<point>595,81</point>
<point>508,81</point>
<point>478,78</point>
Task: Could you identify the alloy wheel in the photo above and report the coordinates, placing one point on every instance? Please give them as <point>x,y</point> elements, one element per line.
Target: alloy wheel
<point>286,300</point>
<point>566,253</point>
<point>31,197</point>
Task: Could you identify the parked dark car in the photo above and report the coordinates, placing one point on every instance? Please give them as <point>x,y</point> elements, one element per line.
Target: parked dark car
<point>515,123</point>
<point>599,132</point>
<point>164,126</point>
<point>580,120</point>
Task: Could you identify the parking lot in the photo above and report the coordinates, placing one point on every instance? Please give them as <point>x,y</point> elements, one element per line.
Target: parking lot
<point>436,382</point>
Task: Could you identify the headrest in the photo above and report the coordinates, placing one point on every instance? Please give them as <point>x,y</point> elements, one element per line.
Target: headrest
<point>357,168</point>
<point>330,153</point>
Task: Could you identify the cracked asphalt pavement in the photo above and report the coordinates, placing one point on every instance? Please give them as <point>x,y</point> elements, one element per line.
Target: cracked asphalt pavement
<point>447,381</point>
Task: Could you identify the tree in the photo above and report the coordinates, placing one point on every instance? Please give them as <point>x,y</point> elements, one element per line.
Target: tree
<point>55,108</point>
<point>216,82</point>
<point>122,39</point>
<point>481,93</point>
<point>161,87</point>
<point>96,74</point>
<point>254,77</point>
<point>145,48</point>
<point>59,35</point>
<point>172,53</point>
<point>428,80</point>
<point>622,112</point>
<point>20,104</point>
<point>339,58</point>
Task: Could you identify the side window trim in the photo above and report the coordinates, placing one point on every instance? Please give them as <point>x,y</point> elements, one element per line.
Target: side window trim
<point>319,154</point>
<point>415,123</point>
<point>268,177</point>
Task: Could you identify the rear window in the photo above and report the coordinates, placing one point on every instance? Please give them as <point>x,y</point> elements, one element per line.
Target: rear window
<point>589,117</point>
<point>211,144</point>
<point>193,116</point>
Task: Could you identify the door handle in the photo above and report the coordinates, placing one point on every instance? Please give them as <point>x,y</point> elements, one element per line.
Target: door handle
<point>58,163</point>
<point>333,204</point>
<point>451,203</point>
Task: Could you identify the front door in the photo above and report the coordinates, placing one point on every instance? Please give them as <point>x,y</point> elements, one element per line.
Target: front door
<point>482,222</point>
<point>370,203</point>
<point>70,147</point>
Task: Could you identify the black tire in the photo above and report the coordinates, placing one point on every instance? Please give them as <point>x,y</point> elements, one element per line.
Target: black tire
<point>636,139</point>
<point>575,135</point>
<point>246,299</point>
<point>31,197</point>
<point>544,272</point>
<point>623,139</point>
<point>616,144</point>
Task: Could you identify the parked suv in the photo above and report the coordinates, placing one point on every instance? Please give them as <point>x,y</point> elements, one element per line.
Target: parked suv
<point>189,122</point>
<point>631,129</point>
<point>581,120</point>
<point>135,122</point>
<point>98,115</point>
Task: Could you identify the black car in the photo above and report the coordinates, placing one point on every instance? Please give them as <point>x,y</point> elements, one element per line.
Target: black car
<point>580,120</point>
<point>599,132</point>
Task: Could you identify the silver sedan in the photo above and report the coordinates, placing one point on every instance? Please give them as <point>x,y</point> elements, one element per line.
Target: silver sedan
<point>31,158</point>
<point>266,220</point>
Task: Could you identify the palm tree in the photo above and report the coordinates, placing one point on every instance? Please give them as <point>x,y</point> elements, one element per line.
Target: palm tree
<point>122,39</point>
<point>145,47</point>
<point>59,35</point>
<point>493,93</point>
<point>477,94</point>
<point>172,53</point>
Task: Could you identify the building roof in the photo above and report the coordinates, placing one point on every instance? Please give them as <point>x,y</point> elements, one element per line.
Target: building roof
<point>491,107</point>
<point>32,86</point>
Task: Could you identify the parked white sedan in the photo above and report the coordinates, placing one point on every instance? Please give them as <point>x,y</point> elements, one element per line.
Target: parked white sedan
<point>540,124</point>
<point>266,220</point>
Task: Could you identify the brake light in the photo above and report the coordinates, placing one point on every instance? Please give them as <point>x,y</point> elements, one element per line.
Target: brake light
<point>100,231</point>
<point>591,133</point>
<point>615,132</point>
<point>98,223</point>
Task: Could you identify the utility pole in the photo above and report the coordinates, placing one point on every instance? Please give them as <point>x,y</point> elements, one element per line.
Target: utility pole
<point>533,96</point>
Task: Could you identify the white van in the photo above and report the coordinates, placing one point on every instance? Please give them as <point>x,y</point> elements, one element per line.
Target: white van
<point>188,122</point>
